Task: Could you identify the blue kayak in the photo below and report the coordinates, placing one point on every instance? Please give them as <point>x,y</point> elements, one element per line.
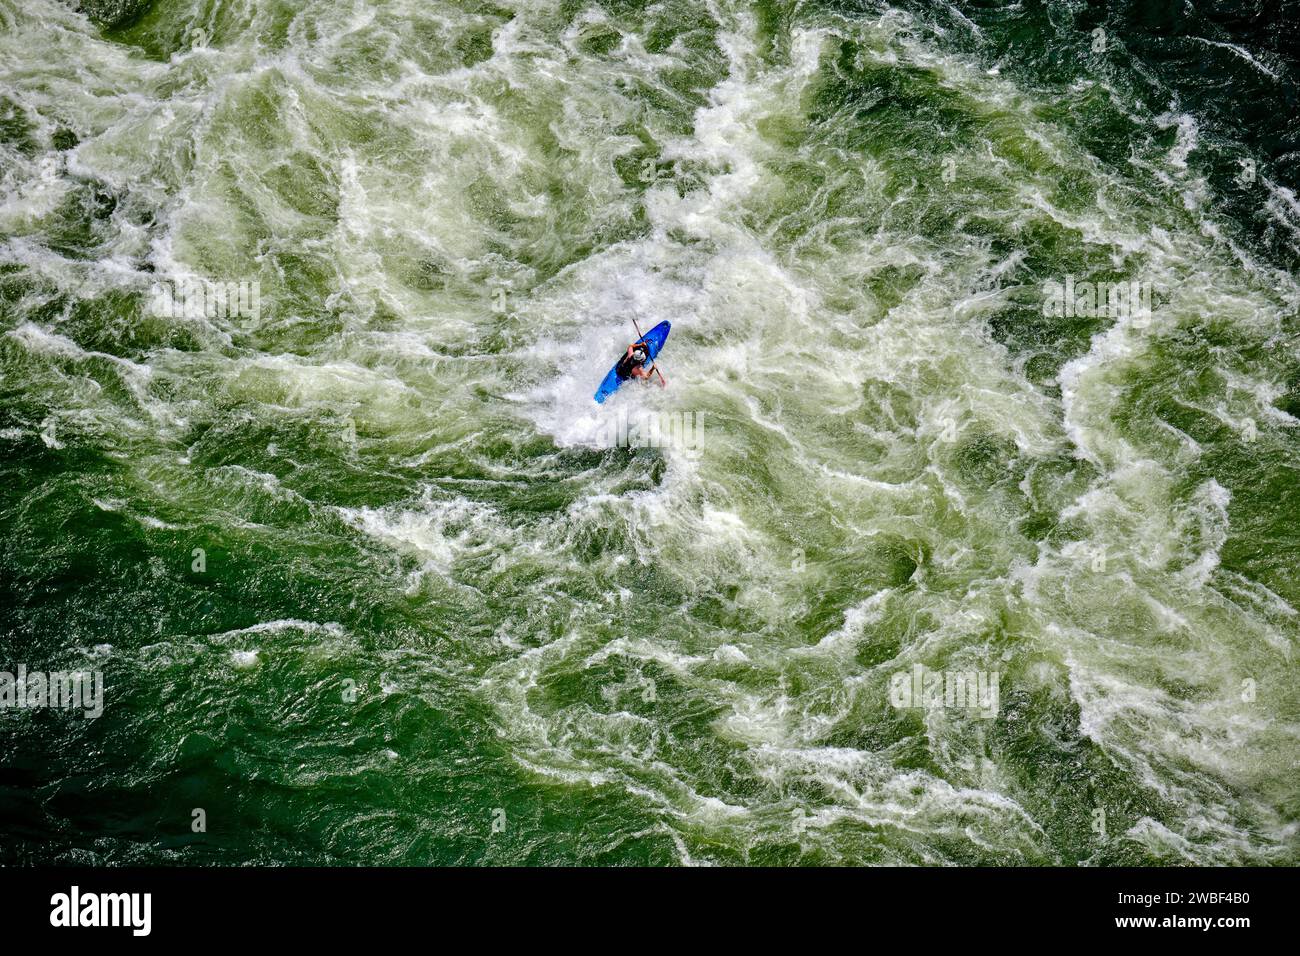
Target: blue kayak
<point>654,341</point>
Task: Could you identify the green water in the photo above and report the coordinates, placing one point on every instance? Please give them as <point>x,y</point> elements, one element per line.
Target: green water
<point>364,580</point>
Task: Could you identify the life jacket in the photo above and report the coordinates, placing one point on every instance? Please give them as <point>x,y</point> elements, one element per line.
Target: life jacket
<point>626,364</point>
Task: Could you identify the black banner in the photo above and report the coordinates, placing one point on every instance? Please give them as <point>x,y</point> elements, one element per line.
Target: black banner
<point>329,907</point>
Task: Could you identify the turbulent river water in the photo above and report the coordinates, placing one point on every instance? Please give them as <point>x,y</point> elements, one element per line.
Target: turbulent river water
<point>364,576</point>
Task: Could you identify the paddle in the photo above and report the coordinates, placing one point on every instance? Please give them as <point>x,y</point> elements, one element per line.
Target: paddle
<point>655,367</point>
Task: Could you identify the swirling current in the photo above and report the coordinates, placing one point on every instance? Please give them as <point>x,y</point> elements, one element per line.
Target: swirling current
<point>368,583</point>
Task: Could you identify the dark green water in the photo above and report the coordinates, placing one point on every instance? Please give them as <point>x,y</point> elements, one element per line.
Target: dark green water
<point>364,580</point>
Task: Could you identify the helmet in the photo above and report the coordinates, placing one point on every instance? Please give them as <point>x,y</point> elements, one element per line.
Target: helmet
<point>639,354</point>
